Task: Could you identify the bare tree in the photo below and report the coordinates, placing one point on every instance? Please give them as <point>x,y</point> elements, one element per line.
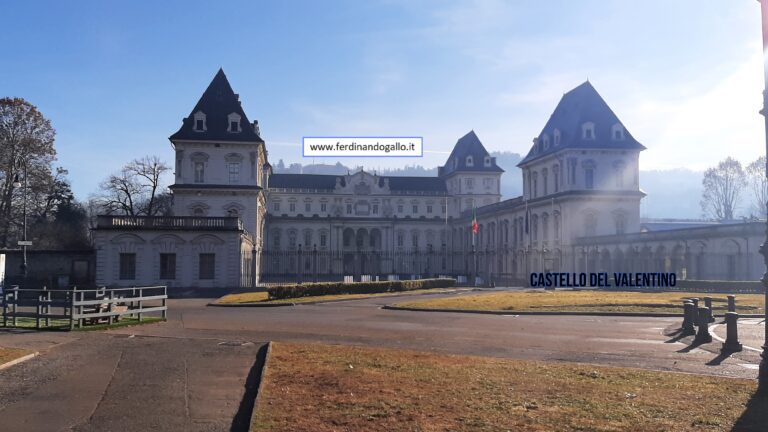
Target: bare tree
<point>759,186</point>
<point>136,189</point>
<point>723,186</point>
<point>26,139</point>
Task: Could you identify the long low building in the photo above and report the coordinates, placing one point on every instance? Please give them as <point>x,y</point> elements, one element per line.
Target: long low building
<point>237,224</point>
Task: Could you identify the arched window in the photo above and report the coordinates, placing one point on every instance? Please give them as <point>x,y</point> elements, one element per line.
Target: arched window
<point>588,131</point>
<point>557,138</point>
<point>487,161</point>
<point>199,161</point>
<point>470,161</point>
<point>621,222</point>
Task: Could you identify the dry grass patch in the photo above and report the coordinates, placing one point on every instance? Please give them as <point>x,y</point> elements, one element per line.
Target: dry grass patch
<point>262,297</point>
<point>339,388</point>
<point>10,354</point>
<point>589,301</point>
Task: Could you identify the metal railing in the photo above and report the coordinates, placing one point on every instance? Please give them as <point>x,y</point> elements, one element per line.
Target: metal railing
<point>76,308</point>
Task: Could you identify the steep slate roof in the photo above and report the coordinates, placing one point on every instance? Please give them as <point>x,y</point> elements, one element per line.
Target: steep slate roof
<point>325,181</point>
<point>578,106</point>
<point>217,102</point>
<point>468,145</point>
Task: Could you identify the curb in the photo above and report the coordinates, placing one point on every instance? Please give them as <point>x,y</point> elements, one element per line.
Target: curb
<point>327,301</point>
<point>554,313</point>
<point>259,389</point>
<point>256,305</point>
<point>19,360</point>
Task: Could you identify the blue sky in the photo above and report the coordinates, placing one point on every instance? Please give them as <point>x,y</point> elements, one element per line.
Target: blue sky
<point>116,78</point>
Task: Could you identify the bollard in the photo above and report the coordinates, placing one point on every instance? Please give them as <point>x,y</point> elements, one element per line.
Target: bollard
<point>695,315</point>
<point>732,343</point>
<point>688,328</point>
<point>708,305</point>
<point>703,335</point>
<point>731,303</point>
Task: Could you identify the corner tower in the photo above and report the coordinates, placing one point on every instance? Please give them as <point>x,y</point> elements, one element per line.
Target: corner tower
<point>471,175</point>
<point>221,160</point>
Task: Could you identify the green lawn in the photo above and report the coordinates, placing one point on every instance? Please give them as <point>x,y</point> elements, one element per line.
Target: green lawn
<point>588,301</point>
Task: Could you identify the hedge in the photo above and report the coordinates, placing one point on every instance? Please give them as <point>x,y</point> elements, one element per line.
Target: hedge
<point>280,292</point>
<point>721,286</point>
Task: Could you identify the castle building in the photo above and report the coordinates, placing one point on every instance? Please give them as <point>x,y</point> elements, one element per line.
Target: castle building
<point>236,224</point>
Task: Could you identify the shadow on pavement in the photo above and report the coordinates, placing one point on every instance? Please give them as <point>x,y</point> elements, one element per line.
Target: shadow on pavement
<point>720,358</point>
<point>690,347</point>
<point>755,416</point>
<point>242,420</point>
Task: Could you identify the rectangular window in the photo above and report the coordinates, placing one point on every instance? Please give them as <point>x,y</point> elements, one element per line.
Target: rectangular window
<point>307,207</point>
<point>589,178</point>
<point>292,207</point>
<point>400,208</point>
<point>429,209</point>
<point>375,209</point>
<point>167,266</point>
<point>199,124</point>
<point>323,207</point>
<point>470,183</point>
<point>234,172</point>
<point>276,206</point>
<point>349,209</point>
<point>199,172</point>
<point>207,266</point>
<point>415,241</point>
<point>127,266</point>
<point>544,180</point>
<point>323,239</point>
<point>415,209</point>
<point>234,126</point>
<point>557,182</point>
<point>400,240</point>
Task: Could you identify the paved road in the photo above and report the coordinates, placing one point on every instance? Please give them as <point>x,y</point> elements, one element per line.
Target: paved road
<point>619,341</point>
<point>179,375</point>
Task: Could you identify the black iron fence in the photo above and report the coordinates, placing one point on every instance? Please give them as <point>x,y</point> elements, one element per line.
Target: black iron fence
<point>304,265</point>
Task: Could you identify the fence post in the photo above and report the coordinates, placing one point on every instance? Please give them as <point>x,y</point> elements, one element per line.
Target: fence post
<point>5,309</point>
<point>732,343</point>
<point>81,321</point>
<point>110,299</point>
<point>165,305</point>
<point>39,310</point>
<point>141,295</point>
<point>47,306</point>
<point>15,301</point>
<point>72,300</point>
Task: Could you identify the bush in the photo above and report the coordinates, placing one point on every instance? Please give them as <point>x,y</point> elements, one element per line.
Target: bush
<point>281,292</point>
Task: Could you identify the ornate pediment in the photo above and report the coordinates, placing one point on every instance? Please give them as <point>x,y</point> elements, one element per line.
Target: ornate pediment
<point>362,183</point>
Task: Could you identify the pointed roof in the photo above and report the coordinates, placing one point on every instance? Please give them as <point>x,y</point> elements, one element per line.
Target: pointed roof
<point>581,105</point>
<point>468,145</point>
<point>217,103</point>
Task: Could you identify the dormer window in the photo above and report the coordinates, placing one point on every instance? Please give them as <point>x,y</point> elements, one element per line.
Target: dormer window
<point>617,132</point>
<point>199,122</point>
<point>588,131</point>
<point>545,141</point>
<point>234,123</point>
<point>556,135</point>
<point>487,161</point>
<point>470,161</point>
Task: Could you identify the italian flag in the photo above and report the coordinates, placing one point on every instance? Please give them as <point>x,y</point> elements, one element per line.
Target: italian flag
<point>475,227</point>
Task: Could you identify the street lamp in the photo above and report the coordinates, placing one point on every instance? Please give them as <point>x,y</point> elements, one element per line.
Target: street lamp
<point>762,377</point>
<point>22,163</point>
